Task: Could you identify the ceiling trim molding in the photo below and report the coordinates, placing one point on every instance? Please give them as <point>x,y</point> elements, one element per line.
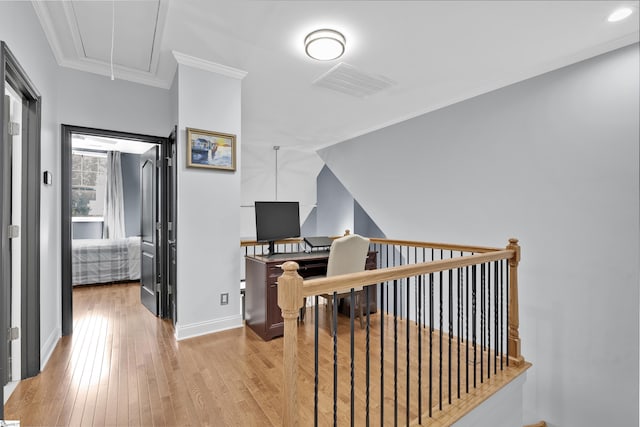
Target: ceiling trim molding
<point>121,73</point>
<point>47,26</point>
<point>161,19</point>
<point>213,67</point>
<point>72,22</point>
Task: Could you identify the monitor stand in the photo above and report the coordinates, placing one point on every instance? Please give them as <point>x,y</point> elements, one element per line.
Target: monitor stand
<point>272,248</point>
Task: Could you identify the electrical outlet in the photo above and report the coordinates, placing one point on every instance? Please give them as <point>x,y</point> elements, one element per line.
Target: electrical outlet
<point>224,299</point>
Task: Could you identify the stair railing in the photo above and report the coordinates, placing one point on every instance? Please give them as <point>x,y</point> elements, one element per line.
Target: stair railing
<point>415,271</point>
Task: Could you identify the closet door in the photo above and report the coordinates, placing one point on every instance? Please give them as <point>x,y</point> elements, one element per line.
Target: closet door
<point>149,272</point>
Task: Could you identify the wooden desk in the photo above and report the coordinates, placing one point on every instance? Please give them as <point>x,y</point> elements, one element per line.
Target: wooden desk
<point>262,313</point>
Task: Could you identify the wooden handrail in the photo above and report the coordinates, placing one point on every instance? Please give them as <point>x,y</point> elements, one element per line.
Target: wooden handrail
<point>435,245</point>
<point>368,277</point>
<point>382,241</point>
<point>244,243</point>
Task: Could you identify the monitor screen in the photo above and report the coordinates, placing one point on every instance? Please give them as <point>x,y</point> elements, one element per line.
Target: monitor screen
<point>277,220</point>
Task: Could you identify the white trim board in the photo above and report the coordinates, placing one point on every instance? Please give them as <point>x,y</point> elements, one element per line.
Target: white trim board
<point>193,330</point>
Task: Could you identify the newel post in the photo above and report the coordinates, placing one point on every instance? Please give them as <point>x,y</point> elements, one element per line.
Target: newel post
<point>514,315</point>
<point>290,302</point>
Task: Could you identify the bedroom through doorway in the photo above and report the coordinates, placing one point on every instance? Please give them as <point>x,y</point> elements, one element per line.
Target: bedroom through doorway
<point>105,210</point>
<point>114,212</point>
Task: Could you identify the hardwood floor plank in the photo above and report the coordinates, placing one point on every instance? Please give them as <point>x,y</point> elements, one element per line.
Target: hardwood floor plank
<point>122,366</point>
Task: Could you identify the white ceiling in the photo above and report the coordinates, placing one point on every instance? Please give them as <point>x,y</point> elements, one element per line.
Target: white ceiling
<point>435,52</point>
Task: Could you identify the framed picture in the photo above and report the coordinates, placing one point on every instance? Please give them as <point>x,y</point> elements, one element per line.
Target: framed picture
<point>211,150</point>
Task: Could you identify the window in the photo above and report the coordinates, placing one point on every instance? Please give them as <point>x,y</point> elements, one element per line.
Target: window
<point>88,184</point>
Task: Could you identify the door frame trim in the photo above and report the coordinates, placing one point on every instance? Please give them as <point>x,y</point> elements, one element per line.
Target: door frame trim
<point>12,72</point>
<point>65,211</point>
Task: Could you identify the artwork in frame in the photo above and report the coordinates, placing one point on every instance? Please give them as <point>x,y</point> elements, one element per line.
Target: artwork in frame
<point>211,150</point>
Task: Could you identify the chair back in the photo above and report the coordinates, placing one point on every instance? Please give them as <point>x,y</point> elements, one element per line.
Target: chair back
<point>348,254</point>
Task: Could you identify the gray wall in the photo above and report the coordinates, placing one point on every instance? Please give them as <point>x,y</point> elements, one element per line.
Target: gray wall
<point>552,160</point>
<point>363,224</point>
<point>131,192</point>
<point>21,30</point>
<point>334,213</point>
<point>81,99</point>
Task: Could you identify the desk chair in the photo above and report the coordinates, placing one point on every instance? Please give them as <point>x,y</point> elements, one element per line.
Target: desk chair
<point>348,254</point>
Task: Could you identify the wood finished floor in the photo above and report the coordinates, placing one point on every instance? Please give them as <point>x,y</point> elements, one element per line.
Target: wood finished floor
<point>122,366</point>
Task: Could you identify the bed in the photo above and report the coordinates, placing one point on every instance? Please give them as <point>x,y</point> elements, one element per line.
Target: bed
<point>96,261</point>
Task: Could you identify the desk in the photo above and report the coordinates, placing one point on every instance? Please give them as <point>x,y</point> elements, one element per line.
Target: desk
<point>262,313</point>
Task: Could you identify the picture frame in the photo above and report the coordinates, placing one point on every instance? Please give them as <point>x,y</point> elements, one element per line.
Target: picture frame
<point>211,150</point>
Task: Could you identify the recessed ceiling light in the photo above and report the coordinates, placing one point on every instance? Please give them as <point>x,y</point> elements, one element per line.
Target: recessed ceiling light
<point>324,45</point>
<point>620,14</point>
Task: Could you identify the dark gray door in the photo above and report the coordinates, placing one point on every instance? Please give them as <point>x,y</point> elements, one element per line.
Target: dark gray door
<point>149,271</point>
<point>171,226</point>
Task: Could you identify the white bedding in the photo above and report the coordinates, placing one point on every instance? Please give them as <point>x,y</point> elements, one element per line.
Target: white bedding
<point>105,260</point>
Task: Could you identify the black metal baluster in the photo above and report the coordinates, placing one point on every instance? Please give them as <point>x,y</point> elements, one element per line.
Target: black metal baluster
<point>420,284</point>
<point>467,331</point>
<point>441,316</point>
<point>501,314</point>
<point>495,317</point>
<point>401,294</point>
<point>473,320</point>
<point>382,322</point>
<point>315,361</point>
<point>395,352</point>
<point>430,343</point>
<point>415,295</point>
<point>407,325</point>
<point>352,315</point>
<point>387,287</point>
<point>459,293</point>
<point>424,302</point>
<point>335,358</point>
<point>367,348</point>
<point>450,325</point>
<point>488,320</point>
<point>482,283</point>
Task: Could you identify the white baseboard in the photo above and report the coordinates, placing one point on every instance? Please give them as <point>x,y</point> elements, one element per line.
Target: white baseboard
<point>49,345</point>
<point>208,327</point>
<point>8,390</point>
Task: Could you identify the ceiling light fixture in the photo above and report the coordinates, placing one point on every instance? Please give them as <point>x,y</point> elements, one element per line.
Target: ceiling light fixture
<point>325,44</point>
<point>620,14</point>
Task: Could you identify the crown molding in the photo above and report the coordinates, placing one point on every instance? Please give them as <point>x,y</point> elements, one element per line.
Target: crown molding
<point>82,63</point>
<point>47,26</point>
<point>121,73</point>
<point>213,67</point>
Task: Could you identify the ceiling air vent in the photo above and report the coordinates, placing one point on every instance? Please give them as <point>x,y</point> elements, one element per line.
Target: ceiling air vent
<point>348,79</point>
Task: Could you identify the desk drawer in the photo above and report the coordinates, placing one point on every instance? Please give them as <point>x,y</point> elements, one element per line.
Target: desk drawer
<point>273,273</point>
<point>274,314</point>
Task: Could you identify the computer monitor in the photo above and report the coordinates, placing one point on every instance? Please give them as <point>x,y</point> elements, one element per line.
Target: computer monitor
<point>275,221</point>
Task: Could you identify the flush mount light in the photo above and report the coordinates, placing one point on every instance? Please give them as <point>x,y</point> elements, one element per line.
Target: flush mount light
<point>620,14</point>
<point>324,45</point>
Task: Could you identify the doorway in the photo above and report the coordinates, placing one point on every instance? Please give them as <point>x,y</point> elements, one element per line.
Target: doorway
<point>13,116</point>
<point>85,216</point>
<point>19,173</point>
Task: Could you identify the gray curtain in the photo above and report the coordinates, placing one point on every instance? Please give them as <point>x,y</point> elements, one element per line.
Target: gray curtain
<point>113,203</point>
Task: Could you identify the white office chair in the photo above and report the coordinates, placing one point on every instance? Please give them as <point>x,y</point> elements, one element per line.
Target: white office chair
<point>348,254</point>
